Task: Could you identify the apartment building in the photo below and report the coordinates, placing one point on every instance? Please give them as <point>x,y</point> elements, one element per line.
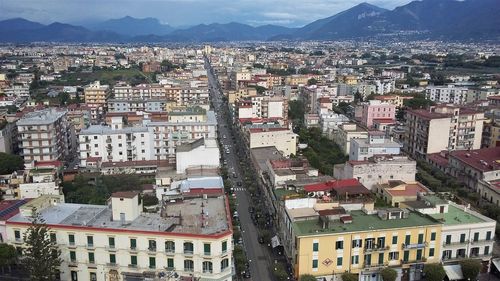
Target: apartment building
<point>96,96</point>
<point>396,100</point>
<point>46,135</point>
<point>149,140</point>
<point>285,140</point>
<point>471,166</point>
<point>464,234</point>
<point>442,128</point>
<point>376,109</point>
<point>375,144</point>
<point>346,133</point>
<point>148,105</point>
<point>263,107</point>
<point>447,94</point>
<point>201,154</point>
<point>190,237</point>
<point>327,240</point>
<point>377,169</point>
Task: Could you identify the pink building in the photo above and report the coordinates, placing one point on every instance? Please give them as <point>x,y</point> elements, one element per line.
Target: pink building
<point>376,109</point>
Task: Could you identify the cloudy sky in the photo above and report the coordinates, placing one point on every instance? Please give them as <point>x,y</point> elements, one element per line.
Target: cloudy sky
<point>183,12</point>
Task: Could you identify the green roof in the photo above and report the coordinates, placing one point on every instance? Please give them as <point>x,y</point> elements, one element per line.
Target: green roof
<point>456,216</point>
<point>280,192</point>
<point>363,222</point>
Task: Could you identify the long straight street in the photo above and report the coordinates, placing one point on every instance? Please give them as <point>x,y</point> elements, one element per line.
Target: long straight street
<point>257,254</point>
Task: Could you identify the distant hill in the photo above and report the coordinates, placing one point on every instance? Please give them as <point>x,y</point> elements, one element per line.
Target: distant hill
<point>232,31</point>
<point>433,19</point>
<point>130,26</point>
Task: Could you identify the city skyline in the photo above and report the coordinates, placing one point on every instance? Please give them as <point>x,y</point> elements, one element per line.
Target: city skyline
<point>187,13</point>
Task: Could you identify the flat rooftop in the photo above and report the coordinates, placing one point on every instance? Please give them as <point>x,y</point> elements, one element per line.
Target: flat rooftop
<point>456,216</point>
<point>182,216</point>
<point>362,222</point>
<point>41,117</point>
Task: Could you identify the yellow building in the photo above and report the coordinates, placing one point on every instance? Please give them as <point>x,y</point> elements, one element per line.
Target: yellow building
<point>327,243</point>
<point>395,191</point>
<point>241,94</point>
<point>96,96</point>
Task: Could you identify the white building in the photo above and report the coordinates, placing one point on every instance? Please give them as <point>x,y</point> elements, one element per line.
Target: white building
<point>200,153</point>
<point>378,169</point>
<point>447,94</point>
<point>191,237</point>
<point>346,133</point>
<point>375,144</point>
<point>285,140</point>
<point>465,233</point>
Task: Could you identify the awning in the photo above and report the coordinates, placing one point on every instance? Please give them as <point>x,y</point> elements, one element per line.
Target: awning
<point>275,241</point>
<point>454,272</point>
<point>496,263</point>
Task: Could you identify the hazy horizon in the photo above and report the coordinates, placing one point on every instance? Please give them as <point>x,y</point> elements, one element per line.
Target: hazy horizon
<point>182,13</point>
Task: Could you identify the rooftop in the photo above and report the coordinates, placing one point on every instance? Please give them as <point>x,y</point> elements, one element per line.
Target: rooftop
<point>180,216</point>
<point>41,117</point>
<point>456,215</point>
<point>426,114</point>
<point>485,160</point>
<point>362,222</point>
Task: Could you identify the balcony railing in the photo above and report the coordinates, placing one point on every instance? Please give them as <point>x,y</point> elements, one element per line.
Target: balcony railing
<point>376,249</point>
<point>415,246</point>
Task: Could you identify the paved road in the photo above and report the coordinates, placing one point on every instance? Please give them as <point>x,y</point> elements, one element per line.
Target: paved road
<point>257,254</point>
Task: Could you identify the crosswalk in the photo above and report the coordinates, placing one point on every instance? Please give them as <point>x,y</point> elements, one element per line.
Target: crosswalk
<point>239,189</point>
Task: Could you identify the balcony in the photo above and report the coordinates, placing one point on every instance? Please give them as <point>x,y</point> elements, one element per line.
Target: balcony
<point>376,249</point>
<point>112,265</point>
<point>132,265</point>
<point>207,253</point>
<point>482,242</point>
<point>375,265</point>
<point>423,259</point>
<point>90,246</point>
<point>73,263</point>
<point>188,252</point>
<point>152,250</point>
<point>414,246</point>
<point>169,251</point>
<point>452,244</point>
<point>133,249</point>
<point>111,248</point>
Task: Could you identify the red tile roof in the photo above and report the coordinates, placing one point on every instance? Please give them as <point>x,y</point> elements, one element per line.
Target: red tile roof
<point>125,194</point>
<point>486,159</point>
<point>426,114</point>
<point>329,185</point>
<point>9,208</point>
<point>410,190</point>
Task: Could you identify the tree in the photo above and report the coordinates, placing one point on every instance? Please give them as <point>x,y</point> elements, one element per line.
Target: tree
<point>280,272</point>
<point>434,272</point>
<point>307,277</point>
<point>41,255</point>
<point>10,163</point>
<point>388,274</point>
<point>149,200</point>
<point>347,276</point>
<point>312,81</point>
<point>470,269</point>
<point>8,256</point>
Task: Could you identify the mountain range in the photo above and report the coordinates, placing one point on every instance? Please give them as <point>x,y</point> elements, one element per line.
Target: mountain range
<point>433,19</point>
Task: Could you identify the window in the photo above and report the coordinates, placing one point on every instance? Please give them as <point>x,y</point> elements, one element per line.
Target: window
<point>487,250</point>
<point>91,257</point>
<point>206,249</point>
<point>17,235</point>
<point>71,238</point>
<point>448,239</point>
<point>394,240</point>
<point>339,261</point>
<point>207,267</point>
<point>133,243</point>
<point>315,246</point>
<point>357,243</point>
<point>170,263</point>
<point>431,252</point>
<point>339,245</point>
<point>152,262</point>
<point>74,276</point>
<point>355,259</point>
<point>170,246</point>
<point>188,265</point>
<point>381,242</point>
<point>188,248</point>
<point>368,259</point>
<point>420,238</point>
<point>315,264</point>
<point>488,235</point>
<point>93,276</point>
<point>133,260</point>
<point>224,246</point>
<point>152,245</point>
<point>407,239</point>
<point>53,237</point>
<point>406,255</point>
<point>433,236</point>
<point>112,258</point>
<point>419,254</point>
<point>72,256</point>
<point>369,243</point>
<point>90,241</point>
<point>476,236</point>
<point>381,258</point>
<point>393,256</point>
<point>224,264</point>
<point>111,241</point>
<point>462,238</point>
<point>446,254</point>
